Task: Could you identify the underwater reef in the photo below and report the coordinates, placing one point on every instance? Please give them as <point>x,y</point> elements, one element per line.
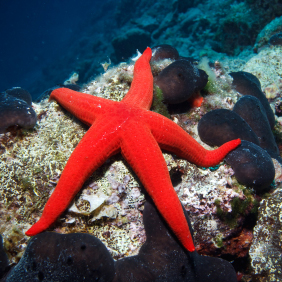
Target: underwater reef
<point>195,28</point>
<point>234,208</point>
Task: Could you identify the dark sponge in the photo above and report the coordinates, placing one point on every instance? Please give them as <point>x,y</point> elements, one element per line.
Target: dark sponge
<point>20,93</point>
<point>163,259</point>
<point>164,51</point>
<point>64,257</point>
<point>248,84</point>
<point>276,39</point>
<point>15,109</point>
<point>82,257</point>
<point>180,80</point>
<point>252,111</point>
<point>252,166</point>
<point>220,126</point>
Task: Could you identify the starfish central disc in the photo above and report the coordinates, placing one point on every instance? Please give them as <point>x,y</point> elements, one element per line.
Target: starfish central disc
<point>139,134</point>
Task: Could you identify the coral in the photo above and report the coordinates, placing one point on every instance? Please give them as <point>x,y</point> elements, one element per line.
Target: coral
<point>237,29</point>
<point>211,86</point>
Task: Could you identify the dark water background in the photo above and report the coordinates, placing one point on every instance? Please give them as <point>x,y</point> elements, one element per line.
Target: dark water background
<point>43,42</point>
<point>35,33</point>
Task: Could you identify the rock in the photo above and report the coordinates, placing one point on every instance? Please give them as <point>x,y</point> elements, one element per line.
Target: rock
<point>276,39</point>
<point>266,249</point>
<point>127,44</point>
<point>4,262</point>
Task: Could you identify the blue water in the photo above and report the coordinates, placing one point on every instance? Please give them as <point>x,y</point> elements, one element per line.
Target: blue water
<point>43,42</point>
<point>35,33</point>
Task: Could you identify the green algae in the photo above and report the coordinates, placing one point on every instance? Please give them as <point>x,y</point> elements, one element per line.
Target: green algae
<point>240,207</point>
<point>158,106</point>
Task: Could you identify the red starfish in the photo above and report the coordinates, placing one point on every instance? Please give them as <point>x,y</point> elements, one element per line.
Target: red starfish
<point>128,126</point>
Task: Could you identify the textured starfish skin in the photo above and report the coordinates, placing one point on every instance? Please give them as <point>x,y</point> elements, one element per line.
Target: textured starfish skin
<point>139,134</point>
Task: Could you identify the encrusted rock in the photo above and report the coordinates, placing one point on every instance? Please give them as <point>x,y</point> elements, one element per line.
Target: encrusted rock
<point>266,248</point>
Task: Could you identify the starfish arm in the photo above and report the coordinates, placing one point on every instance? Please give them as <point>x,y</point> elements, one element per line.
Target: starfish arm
<point>148,163</point>
<point>84,106</point>
<point>140,93</point>
<point>173,138</point>
<point>90,153</point>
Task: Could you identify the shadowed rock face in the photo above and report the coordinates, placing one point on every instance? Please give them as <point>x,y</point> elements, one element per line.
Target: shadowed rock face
<point>15,109</point>
<point>180,80</point>
<point>82,257</point>
<point>4,262</point>
<point>276,39</point>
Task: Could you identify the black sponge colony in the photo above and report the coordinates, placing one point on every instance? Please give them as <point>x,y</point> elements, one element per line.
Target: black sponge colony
<point>163,259</point>
<point>82,257</point>
<point>180,80</point>
<point>251,121</point>
<point>15,109</point>
<point>252,165</point>
<point>252,111</point>
<point>248,84</point>
<point>164,51</point>
<point>220,126</point>
<point>64,257</point>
